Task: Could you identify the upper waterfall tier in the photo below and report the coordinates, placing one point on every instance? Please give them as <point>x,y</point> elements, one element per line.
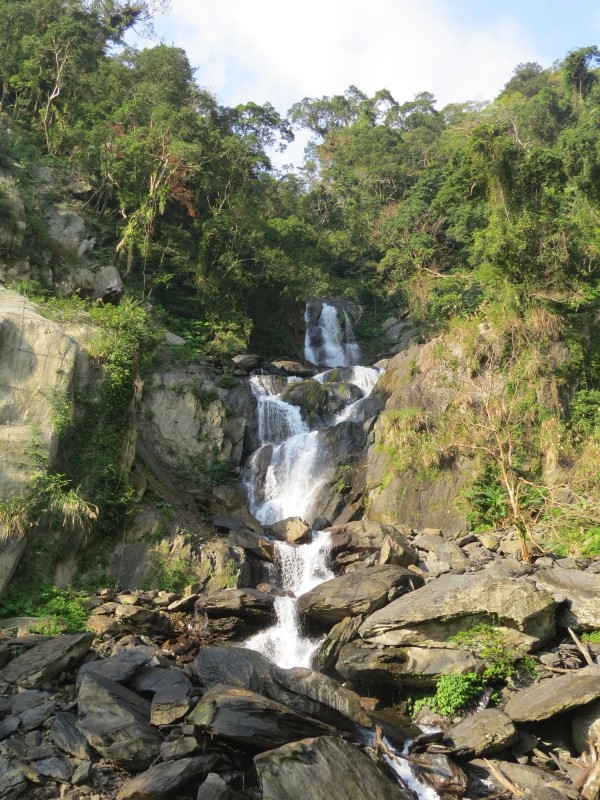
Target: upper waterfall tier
<point>330,340</point>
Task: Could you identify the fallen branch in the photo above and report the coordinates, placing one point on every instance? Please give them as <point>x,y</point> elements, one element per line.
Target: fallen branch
<point>501,778</point>
<point>583,650</point>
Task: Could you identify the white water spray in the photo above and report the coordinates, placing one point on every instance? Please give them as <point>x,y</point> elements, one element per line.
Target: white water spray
<point>326,344</point>
<point>301,569</point>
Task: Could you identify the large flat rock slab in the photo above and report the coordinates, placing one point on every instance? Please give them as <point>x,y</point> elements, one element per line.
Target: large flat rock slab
<point>44,662</point>
<point>164,780</point>
<point>322,769</point>
<point>251,720</point>
<point>360,592</point>
<point>431,615</point>
<point>488,731</point>
<point>554,695</point>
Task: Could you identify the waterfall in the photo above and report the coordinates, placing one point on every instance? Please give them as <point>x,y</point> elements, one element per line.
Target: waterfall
<point>300,569</point>
<point>325,344</point>
<point>283,478</point>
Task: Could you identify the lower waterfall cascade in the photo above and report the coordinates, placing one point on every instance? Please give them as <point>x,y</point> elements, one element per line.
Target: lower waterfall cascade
<point>299,466</point>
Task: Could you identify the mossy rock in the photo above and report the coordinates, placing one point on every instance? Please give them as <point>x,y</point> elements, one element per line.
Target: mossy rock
<point>310,395</point>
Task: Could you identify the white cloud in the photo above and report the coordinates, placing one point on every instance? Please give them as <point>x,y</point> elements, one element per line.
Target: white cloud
<point>277,51</point>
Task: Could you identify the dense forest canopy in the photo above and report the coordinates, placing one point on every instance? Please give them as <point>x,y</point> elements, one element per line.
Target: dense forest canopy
<point>398,200</point>
<point>471,217</point>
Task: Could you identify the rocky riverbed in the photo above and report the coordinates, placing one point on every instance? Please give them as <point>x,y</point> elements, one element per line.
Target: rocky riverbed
<point>162,700</point>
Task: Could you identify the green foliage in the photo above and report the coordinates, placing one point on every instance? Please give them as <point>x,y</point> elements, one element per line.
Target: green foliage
<point>228,382</point>
<point>63,610</point>
<point>457,693</point>
<point>170,574</point>
<point>593,637</point>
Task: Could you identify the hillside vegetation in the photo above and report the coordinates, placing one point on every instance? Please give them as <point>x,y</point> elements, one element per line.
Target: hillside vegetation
<point>481,222</point>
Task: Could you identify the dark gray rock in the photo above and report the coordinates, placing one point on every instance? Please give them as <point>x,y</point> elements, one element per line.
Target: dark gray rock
<point>30,698</point>
<point>234,666</point>
<point>152,679</point>
<point>360,592</point>
<point>488,731</point>
<point>366,536</point>
<point>120,667</point>
<point>248,604</point>
<point>322,769</point>
<point>44,662</point>
<point>12,780</point>
<point>54,768</point>
<point>341,633</point>
<point>115,722</point>
<point>170,705</point>
<point>34,717</point>
<point>251,720</point>
<point>165,780</point>
<point>68,737</point>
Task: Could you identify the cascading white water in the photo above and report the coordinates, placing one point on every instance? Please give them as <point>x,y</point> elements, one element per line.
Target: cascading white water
<point>298,466</point>
<point>326,345</point>
<point>296,471</point>
<point>300,568</point>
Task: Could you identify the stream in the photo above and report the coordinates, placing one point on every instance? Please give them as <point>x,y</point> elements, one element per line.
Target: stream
<point>285,477</point>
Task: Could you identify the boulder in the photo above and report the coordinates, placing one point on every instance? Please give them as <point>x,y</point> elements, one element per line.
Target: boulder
<point>116,722</point>
<point>306,683</point>
<point>442,550</point>
<point>223,566</point>
<point>321,769</point>
<point>251,720</point>
<point>169,705</point>
<point>431,615</point>
<point>68,737</point>
<point>554,695</point>
<point>213,788</point>
<point>292,530</point>
<point>150,680</point>
<point>438,772</point>
<point>108,285</point>
<point>248,604</point>
<point>539,783</point>
<point>120,667</point>
<point>485,732</point>
<point>578,591</point>
<point>341,633</point>
<point>12,782</point>
<point>44,662</point>
<point>246,361</point>
<point>311,396</point>
<point>235,666</point>
<point>364,536</point>
<point>410,666</point>
<point>165,780</point>
<point>360,592</point>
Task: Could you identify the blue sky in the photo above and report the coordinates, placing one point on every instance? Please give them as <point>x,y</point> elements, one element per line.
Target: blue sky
<point>278,51</point>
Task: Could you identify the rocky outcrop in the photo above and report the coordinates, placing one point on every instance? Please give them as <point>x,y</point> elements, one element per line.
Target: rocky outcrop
<point>555,695</point>
<point>321,769</point>
<point>431,615</point>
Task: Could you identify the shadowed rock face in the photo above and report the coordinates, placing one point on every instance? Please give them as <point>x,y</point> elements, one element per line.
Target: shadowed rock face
<point>322,769</point>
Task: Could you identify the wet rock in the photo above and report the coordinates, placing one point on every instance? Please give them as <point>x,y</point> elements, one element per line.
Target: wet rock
<point>116,722</point>
<point>235,666</point>
<point>437,771</point>
<point>319,688</point>
<point>213,788</point>
<point>488,731</point>
<point>323,768</point>
<point>578,590</point>
<point>552,696</point>
<point>251,720</point>
<point>245,603</point>
<point>431,615</point>
<point>68,737</point>
<point>43,663</point>
<point>294,368</point>
<point>248,540</point>
<point>165,780</point>
<point>292,530</point>
<point>356,593</point>
<point>413,666</point>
